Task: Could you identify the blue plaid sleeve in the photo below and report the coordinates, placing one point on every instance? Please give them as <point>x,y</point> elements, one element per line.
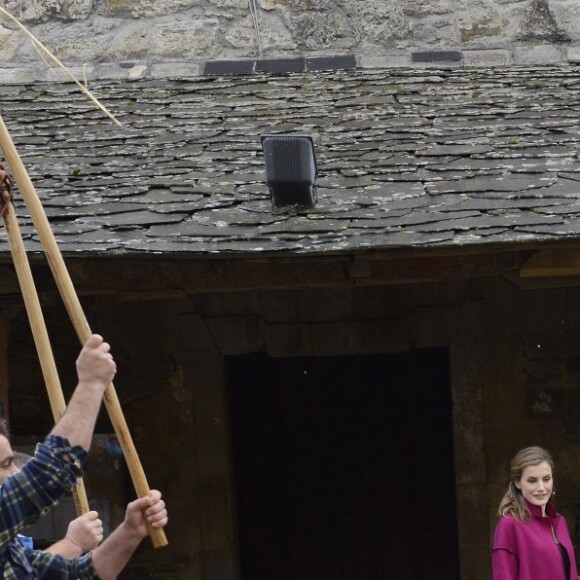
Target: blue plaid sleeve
<point>58,568</point>
<point>23,564</point>
<point>45,478</point>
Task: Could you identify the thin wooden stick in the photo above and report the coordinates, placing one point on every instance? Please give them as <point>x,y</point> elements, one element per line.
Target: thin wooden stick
<point>77,316</point>
<point>39,332</point>
<point>46,51</point>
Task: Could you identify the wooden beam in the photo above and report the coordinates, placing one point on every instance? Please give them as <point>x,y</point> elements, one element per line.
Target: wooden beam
<point>147,277</point>
<point>159,279</point>
<point>537,283</point>
<point>552,262</point>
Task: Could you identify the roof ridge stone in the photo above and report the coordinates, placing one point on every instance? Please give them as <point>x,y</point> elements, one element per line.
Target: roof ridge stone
<point>506,56</point>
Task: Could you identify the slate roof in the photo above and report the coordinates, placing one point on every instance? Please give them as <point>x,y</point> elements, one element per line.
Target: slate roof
<point>407,158</point>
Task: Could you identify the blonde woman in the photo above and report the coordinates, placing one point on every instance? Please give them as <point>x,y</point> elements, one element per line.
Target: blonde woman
<point>531,540</point>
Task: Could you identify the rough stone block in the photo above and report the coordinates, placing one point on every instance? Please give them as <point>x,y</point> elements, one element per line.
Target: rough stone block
<point>433,327</point>
<point>111,70</point>
<point>178,70</point>
<point>208,390</point>
<point>15,76</point>
<point>212,458</point>
<point>472,501</point>
<point>220,565</point>
<point>397,60</point>
<point>573,54</point>
<point>487,57</point>
<point>541,54</point>
<point>471,529</point>
<point>194,333</point>
<point>342,338</point>
<point>287,339</point>
<point>507,440</point>
<point>475,564</point>
<point>236,335</point>
<point>495,494</point>
<point>389,335</point>
<point>217,515</point>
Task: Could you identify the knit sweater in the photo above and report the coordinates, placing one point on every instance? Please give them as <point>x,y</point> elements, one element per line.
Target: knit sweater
<point>527,551</point>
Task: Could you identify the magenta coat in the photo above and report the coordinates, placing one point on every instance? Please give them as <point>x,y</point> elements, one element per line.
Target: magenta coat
<point>527,551</point>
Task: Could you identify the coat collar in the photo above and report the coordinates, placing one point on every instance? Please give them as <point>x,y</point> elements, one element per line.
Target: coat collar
<point>536,510</point>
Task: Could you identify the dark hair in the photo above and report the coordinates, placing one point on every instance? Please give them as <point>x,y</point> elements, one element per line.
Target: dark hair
<point>3,427</point>
<point>513,501</point>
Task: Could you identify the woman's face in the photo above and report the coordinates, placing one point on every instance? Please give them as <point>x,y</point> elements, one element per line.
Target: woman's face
<point>536,484</point>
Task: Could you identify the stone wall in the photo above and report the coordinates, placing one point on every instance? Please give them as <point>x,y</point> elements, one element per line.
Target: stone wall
<point>97,31</point>
<point>514,357</point>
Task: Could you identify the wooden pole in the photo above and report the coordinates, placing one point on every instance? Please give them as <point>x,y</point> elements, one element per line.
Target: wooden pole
<point>77,316</point>
<point>38,326</point>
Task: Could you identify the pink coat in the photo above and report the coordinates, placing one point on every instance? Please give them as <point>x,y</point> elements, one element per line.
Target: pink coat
<point>527,551</point>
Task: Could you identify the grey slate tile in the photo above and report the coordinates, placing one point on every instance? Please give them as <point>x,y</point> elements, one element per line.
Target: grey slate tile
<point>501,183</point>
<point>331,62</point>
<point>513,221</point>
<point>227,67</point>
<point>475,156</point>
<point>437,56</point>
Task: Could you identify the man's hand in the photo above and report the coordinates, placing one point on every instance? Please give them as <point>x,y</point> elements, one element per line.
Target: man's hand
<point>95,364</point>
<point>114,553</point>
<point>83,535</point>
<point>151,507</point>
<point>96,369</point>
<point>86,532</point>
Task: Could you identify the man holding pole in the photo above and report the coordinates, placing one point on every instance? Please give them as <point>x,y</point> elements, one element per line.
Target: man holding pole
<point>83,534</point>
<point>53,470</point>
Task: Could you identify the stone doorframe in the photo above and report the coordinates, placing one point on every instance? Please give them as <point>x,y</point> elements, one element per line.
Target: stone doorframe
<point>468,355</point>
<point>460,328</point>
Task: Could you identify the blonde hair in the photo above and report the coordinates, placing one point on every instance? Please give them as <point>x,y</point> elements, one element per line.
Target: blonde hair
<point>513,501</point>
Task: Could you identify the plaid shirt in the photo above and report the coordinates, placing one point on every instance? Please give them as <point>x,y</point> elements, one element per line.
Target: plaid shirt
<point>43,480</point>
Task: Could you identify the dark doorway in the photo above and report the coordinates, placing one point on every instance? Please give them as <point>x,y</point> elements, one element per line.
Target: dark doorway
<point>344,467</point>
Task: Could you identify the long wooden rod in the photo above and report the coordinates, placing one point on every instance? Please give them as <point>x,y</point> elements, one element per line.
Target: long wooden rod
<point>38,327</point>
<point>76,313</point>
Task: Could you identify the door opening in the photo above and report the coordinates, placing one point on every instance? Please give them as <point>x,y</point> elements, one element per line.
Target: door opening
<point>344,467</point>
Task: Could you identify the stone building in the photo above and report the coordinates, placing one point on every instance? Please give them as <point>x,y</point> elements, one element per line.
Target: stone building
<point>327,392</point>
<point>156,34</point>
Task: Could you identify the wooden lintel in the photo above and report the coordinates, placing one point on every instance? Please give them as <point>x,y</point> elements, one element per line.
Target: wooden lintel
<point>537,283</point>
<point>135,279</point>
<point>149,295</point>
<point>552,262</point>
<point>145,278</point>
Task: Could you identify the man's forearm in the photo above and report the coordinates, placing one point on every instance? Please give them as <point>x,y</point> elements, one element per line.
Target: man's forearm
<point>114,553</point>
<point>95,369</point>
<point>65,548</point>
<point>78,422</point>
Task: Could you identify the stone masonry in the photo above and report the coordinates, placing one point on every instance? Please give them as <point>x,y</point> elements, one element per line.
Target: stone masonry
<point>377,32</point>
